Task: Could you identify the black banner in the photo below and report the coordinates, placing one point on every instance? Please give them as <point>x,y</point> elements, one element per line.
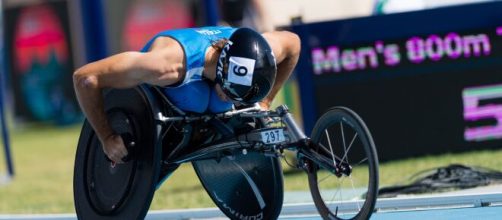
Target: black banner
<point>423,82</point>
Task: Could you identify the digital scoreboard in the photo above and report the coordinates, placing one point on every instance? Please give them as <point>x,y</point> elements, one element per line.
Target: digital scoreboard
<point>425,82</point>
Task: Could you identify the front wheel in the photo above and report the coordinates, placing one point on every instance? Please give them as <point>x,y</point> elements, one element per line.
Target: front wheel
<point>346,188</point>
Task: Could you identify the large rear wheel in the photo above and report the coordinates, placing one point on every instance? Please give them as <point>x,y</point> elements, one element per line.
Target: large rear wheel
<point>104,190</point>
<point>347,187</point>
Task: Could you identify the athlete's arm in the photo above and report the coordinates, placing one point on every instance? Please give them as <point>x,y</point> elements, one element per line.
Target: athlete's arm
<point>124,70</point>
<point>286,47</point>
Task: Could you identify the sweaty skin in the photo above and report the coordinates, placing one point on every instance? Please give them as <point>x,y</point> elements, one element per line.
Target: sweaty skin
<point>163,65</point>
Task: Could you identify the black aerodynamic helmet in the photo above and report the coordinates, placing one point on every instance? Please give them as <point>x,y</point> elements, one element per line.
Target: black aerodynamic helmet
<point>246,67</point>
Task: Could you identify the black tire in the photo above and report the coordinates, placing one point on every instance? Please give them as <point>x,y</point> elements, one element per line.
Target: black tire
<point>123,191</point>
<point>354,145</point>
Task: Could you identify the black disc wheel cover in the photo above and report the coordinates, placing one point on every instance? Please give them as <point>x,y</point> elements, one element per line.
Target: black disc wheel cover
<point>245,186</point>
<point>103,190</point>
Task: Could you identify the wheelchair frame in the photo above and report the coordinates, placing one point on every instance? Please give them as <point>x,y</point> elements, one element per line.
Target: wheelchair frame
<point>222,142</point>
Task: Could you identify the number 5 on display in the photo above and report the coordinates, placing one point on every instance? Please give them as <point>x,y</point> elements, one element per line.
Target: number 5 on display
<point>473,112</point>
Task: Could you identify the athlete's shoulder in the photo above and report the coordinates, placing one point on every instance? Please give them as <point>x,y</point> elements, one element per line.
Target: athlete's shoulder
<point>214,31</point>
<point>283,43</point>
<point>165,43</point>
<point>206,31</point>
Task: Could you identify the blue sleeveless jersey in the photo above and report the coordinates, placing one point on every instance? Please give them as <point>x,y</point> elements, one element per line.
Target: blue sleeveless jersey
<point>193,93</point>
<point>195,42</point>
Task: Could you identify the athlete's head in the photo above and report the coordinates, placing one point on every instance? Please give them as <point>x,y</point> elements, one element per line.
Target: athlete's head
<point>246,67</point>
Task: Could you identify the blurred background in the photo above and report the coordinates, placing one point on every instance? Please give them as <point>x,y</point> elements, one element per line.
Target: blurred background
<point>423,74</point>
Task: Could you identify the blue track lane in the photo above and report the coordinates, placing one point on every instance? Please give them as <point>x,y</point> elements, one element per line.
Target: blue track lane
<point>484,213</point>
<point>481,213</point>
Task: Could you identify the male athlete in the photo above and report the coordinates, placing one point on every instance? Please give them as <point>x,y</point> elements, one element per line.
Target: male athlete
<point>199,69</point>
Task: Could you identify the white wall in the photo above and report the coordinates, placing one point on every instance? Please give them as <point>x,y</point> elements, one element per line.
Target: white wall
<point>281,11</point>
<point>392,6</point>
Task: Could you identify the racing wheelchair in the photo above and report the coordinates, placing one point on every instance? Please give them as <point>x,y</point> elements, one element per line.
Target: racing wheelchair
<point>235,154</point>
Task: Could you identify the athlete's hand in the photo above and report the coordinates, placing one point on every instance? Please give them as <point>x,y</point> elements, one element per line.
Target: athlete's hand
<point>114,148</point>
<point>265,105</point>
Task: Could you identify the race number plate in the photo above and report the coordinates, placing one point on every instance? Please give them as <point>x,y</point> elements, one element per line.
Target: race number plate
<point>272,136</point>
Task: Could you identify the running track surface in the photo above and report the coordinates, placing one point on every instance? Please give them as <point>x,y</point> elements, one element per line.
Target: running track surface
<point>483,206</point>
<point>481,213</point>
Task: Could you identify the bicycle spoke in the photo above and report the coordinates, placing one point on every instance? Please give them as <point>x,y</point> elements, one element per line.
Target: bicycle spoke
<point>338,191</point>
<point>361,161</point>
<point>350,146</point>
<point>330,147</point>
<point>344,145</point>
<point>343,137</point>
<point>324,178</point>
<point>354,191</point>
<point>334,196</point>
<point>326,151</point>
